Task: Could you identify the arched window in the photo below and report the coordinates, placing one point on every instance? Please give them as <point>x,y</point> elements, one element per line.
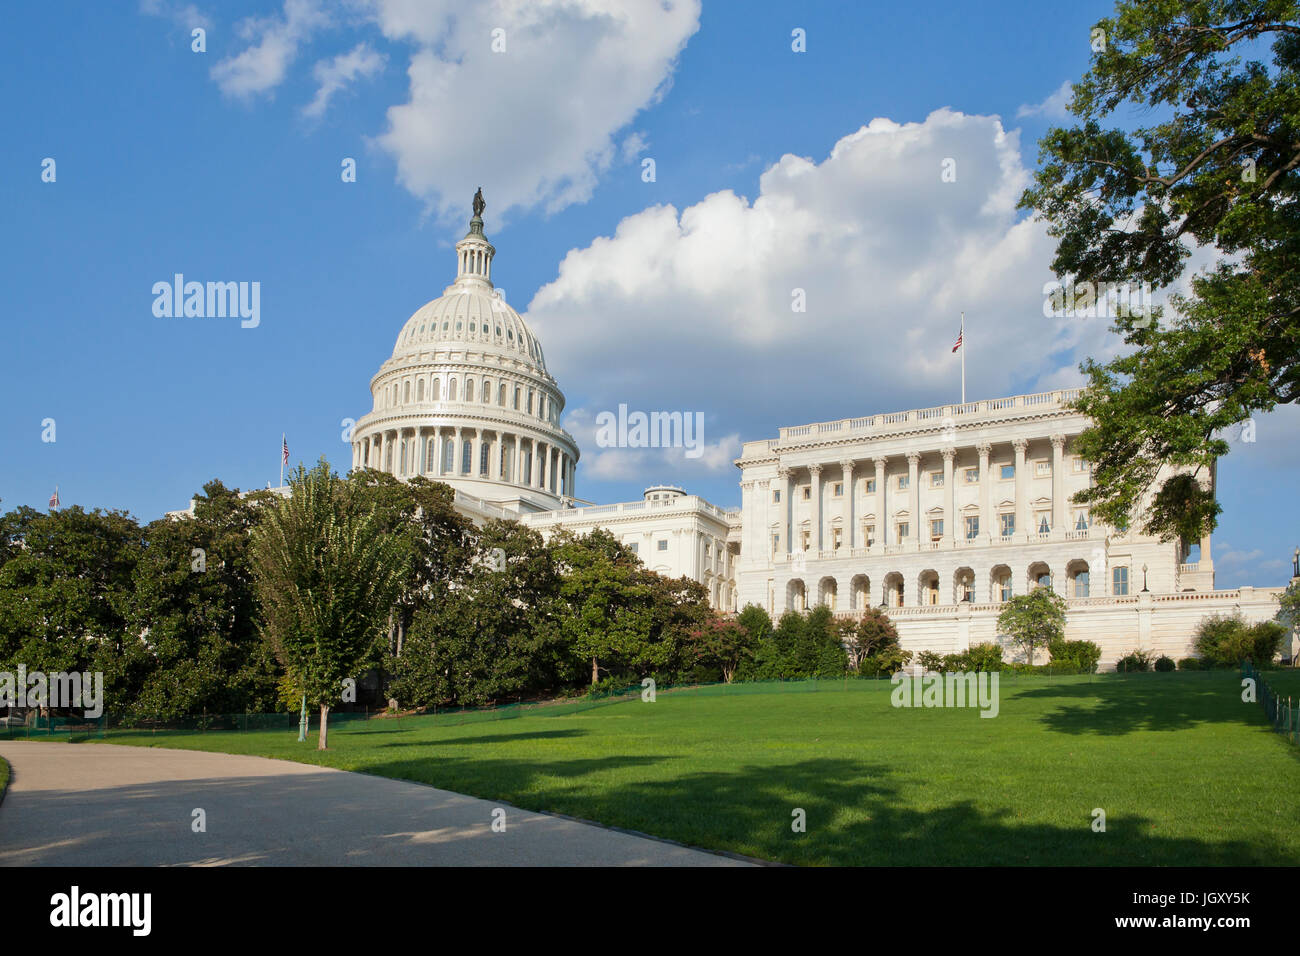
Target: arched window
<point>516,398</point>
<point>487,390</point>
<point>437,389</point>
<point>448,455</point>
<point>406,391</point>
<point>469,390</point>
<point>501,395</point>
<point>430,454</point>
<point>419,390</point>
<point>451,390</point>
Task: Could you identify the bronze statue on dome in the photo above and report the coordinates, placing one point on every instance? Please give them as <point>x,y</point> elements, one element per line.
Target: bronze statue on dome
<point>479,204</point>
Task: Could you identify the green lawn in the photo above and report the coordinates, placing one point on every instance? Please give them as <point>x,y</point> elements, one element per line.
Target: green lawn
<point>1186,773</point>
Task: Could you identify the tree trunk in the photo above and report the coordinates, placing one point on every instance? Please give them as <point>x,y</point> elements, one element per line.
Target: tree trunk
<point>324,727</point>
<point>595,671</point>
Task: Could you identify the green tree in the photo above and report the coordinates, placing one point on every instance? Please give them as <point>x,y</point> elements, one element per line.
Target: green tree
<point>327,572</point>
<point>873,642</point>
<point>1217,166</point>
<point>1033,620</point>
<point>721,645</point>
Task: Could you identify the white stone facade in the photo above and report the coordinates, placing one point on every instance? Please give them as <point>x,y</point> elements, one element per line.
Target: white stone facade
<point>941,514</point>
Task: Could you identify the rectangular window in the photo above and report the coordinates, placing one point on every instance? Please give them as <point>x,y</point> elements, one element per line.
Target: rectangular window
<point>972,527</point>
<point>936,479</point>
<point>936,529</point>
<point>838,491</point>
<point>903,530</point>
<point>904,481</point>
<point>869,534</point>
<point>634,547</point>
<point>1043,523</point>
<point>1042,468</point>
<point>1008,524</point>
<point>1120,587</point>
<point>803,540</point>
<point>972,475</point>
<point>485,459</point>
<point>1008,472</point>
<point>1080,466</point>
<point>776,497</point>
<point>871,486</point>
<point>807,492</point>
<point>466,457</point>
<point>662,544</point>
<point>1081,584</point>
<point>837,539</point>
<point>776,544</point>
<point>1081,521</point>
<point>1004,589</point>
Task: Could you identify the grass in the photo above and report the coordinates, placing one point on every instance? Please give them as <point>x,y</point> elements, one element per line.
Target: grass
<point>1186,773</point>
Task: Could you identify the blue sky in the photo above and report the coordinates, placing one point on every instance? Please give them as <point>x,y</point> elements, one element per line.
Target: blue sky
<point>773,169</point>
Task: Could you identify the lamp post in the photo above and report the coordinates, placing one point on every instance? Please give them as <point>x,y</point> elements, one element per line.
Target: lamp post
<point>1144,579</point>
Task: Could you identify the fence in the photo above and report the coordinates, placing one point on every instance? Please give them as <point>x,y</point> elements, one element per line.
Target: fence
<point>1284,715</point>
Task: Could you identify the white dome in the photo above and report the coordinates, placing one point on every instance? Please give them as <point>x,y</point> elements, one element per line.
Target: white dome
<point>468,314</point>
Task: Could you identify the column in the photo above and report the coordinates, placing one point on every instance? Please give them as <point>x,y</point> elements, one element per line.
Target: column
<point>475,452</point>
<point>383,450</point>
<point>1023,517</point>
<point>846,517</point>
<point>499,459</point>
<point>986,493</point>
<point>540,475</point>
<point>519,460</point>
<point>914,486</point>
<point>882,520</point>
<point>787,506</point>
<point>815,474</point>
<point>1059,526</point>
<point>458,455</point>
<point>949,497</point>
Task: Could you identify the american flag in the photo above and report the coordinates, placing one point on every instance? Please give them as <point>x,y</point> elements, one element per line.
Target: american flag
<point>54,498</point>
<point>958,343</point>
<point>284,450</point>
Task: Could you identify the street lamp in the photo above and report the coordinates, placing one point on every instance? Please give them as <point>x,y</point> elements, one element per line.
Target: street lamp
<point>1295,563</point>
<point>1144,578</point>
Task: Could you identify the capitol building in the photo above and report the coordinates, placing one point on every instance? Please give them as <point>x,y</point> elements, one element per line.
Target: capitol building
<point>938,515</point>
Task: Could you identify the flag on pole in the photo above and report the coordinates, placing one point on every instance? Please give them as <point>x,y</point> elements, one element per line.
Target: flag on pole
<point>959,335</point>
<point>284,449</point>
<point>54,498</point>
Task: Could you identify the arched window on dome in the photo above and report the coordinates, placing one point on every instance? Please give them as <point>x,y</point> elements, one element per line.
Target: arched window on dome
<point>437,390</point>
<point>430,455</point>
<point>469,390</point>
<point>530,402</point>
<point>419,390</point>
<point>466,456</point>
<point>501,395</point>
<point>516,398</point>
<point>451,389</point>
<point>406,392</point>
<point>487,390</point>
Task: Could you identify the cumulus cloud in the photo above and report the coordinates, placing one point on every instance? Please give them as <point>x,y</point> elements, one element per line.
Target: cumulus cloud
<point>1055,107</point>
<point>526,96</point>
<point>274,44</point>
<point>335,74</point>
<point>694,307</point>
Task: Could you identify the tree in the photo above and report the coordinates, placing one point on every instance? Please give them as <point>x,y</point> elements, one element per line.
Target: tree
<point>722,645</point>
<point>1033,620</point>
<point>1219,169</point>
<point>869,637</point>
<point>1288,616</point>
<point>327,572</point>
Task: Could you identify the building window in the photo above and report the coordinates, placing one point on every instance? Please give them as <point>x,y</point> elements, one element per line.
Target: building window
<point>466,456</point>
<point>516,398</point>
<point>484,459</point>
<point>419,390</point>
<point>869,534</point>
<point>1004,588</point>
<point>507,460</point>
<point>469,390</point>
<point>837,538</point>
<point>776,544</point>
<point>1081,584</point>
<point>1008,524</point>
<point>1080,466</point>
<point>804,538</point>
<point>1044,526</point>
<point>776,497</point>
<point>1120,578</point>
<point>838,490</point>
<point>1042,468</point>
<point>972,475</point>
<point>1044,580</point>
<point>903,482</point>
<point>972,527</point>
<point>448,456</point>
<point>936,479</point>
<point>1081,521</point>
<point>662,544</point>
<point>807,493</point>
<point>903,530</point>
<point>870,486</point>
<point>634,547</point>
<point>936,529</point>
<point>1008,472</point>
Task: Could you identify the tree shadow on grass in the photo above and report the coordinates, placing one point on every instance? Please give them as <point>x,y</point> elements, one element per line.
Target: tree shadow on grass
<point>855,815</point>
<point>1146,702</point>
<point>489,738</point>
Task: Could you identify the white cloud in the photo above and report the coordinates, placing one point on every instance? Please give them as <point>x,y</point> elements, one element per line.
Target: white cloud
<point>1055,106</point>
<point>261,67</point>
<point>693,308</point>
<point>626,464</point>
<point>187,16</point>
<point>537,122</point>
<point>333,75</point>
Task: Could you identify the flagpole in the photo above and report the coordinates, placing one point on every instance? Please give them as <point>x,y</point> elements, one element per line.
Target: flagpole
<point>963,358</point>
<point>282,441</point>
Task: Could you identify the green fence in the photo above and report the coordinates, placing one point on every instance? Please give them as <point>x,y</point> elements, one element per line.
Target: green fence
<point>1283,713</point>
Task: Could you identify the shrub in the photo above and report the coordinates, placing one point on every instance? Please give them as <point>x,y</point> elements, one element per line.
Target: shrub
<point>1164,664</point>
<point>1190,664</point>
<point>1224,640</point>
<point>983,657</point>
<point>1082,655</point>
<point>1266,639</point>
<point>1134,661</point>
<point>932,661</point>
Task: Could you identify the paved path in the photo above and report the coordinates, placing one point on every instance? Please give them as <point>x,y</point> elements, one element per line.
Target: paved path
<point>106,805</point>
